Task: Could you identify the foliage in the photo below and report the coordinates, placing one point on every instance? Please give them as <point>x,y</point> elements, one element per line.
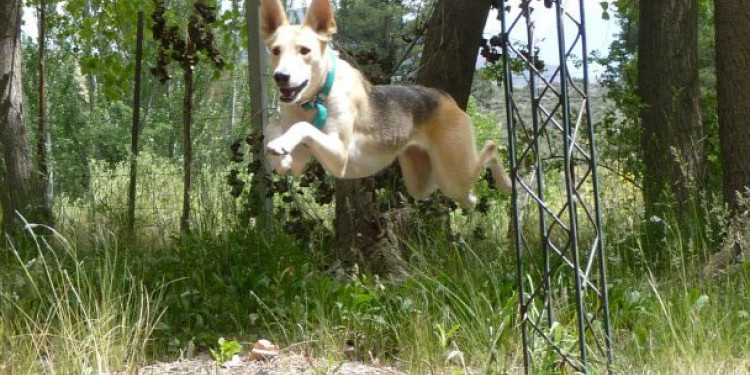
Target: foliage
<point>83,127</point>
<point>100,302</point>
<point>620,126</point>
<point>227,350</point>
<point>382,36</point>
<point>103,209</point>
<point>458,299</point>
<point>185,47</point>
<point>100,34</point>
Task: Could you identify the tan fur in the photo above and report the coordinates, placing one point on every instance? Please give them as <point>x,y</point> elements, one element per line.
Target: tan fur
<point>434,150</point>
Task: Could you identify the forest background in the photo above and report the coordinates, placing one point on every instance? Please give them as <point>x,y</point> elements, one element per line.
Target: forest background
<point>101,276</point>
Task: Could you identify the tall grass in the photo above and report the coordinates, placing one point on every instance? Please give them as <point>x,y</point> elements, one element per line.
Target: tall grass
<point>68,313</point>
<point>93,306</point>
<point>103,210</point>
<point>455,309</point>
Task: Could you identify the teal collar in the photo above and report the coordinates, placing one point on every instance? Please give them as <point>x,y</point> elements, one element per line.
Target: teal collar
<point>317,103</point>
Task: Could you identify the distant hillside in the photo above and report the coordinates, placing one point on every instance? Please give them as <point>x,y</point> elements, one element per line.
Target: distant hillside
<point>490,97</point>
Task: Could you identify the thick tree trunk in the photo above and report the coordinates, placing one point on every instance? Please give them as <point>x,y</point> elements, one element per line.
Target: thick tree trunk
<point>452,45</point>
<point>672,137</point>
<point>733,88</point>
<point>449,60</point>
<point>21,191</point>
<point>363,235</point>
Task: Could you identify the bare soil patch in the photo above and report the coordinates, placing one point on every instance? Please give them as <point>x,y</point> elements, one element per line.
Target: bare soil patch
<point>286,364</point>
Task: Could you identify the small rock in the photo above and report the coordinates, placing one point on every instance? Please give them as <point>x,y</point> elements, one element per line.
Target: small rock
<point>264,350</point>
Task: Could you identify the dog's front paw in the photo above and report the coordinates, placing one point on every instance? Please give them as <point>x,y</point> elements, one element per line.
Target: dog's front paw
<point>281,163</point>
<point>280,151</point>
<point>285,163</point>
<point>277,148</point>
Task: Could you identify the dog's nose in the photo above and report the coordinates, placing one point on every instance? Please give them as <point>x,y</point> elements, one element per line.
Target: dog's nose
<point>281,78</point>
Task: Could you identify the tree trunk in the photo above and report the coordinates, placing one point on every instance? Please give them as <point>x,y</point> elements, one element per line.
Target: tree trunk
<point>258,76</point>
<point>21,188</point>
<point>449,60</point>
<point>43,133</point>
<point>672,132</point>
<point>187,143</point>
<point>135,127</point>
<point>452,45</point>
<point>93,86</point>
<point>363,235</point>
<point>733,81</point>
<point>4,191</point>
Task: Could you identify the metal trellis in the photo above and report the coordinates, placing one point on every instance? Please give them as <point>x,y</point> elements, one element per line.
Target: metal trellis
<point>561,262</point>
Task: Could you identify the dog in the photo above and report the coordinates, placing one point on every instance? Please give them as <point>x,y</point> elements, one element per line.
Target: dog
<point>331,113</point>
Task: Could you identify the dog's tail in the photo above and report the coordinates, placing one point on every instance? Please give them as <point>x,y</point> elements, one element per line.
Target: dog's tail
<point>490,159</point>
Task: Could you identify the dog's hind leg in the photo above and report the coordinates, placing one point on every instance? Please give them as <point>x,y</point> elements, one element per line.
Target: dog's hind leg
<point>416,169</point>
<point>455,159</point>
<point>453,153</point>
<point>488,159</point>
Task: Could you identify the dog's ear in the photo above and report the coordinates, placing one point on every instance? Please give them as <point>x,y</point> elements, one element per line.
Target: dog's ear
<point>320,18</point>
<point>272,16</point>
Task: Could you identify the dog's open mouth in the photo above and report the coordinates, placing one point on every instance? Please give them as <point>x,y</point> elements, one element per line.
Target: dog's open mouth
<point>288,94</point>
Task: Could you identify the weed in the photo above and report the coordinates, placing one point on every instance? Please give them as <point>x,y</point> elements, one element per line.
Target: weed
<point>227,349</point>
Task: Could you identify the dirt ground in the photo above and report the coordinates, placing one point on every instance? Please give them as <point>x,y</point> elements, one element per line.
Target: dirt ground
<point>286,364</point>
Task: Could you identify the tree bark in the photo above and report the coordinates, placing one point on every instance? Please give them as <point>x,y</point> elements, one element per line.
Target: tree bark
<point>21,192</point>
<point>187,139</point>
<point>363,235</point>
<point>43,133</point>
<point>672,131</point>
<point>452,45</point>
<point>732,19</point>
<point>258,76</point>
<point>93,86</point>
<point>449,59</point>
<point>135,127</point>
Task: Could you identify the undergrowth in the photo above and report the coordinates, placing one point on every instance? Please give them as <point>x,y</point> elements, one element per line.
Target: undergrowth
<point>64,312</point>
<point>102,305</point>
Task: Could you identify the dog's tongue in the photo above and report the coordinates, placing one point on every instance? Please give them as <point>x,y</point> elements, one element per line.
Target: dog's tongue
<point>289,92</point>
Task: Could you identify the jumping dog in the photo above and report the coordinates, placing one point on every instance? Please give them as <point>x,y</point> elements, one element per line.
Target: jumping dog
<point>330,112</point>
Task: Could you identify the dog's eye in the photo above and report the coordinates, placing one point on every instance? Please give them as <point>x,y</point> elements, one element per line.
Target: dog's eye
<point>276,51</point>
<point>304,50</point>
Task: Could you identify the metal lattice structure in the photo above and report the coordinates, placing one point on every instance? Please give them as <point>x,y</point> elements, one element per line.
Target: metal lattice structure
<point>561,262</point>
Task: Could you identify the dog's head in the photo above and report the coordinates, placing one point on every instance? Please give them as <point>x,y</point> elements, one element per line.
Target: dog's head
<point>298,51</point>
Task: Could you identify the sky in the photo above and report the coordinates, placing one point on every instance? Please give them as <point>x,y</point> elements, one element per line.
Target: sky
<point>600,33</point>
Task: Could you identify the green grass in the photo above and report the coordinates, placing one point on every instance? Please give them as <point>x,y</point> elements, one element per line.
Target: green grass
<point>68,313</point>
<point>95,303</point>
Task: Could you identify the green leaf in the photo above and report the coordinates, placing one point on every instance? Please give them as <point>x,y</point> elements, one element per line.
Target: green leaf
<point>227,349</point>
<point>360,298</point>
